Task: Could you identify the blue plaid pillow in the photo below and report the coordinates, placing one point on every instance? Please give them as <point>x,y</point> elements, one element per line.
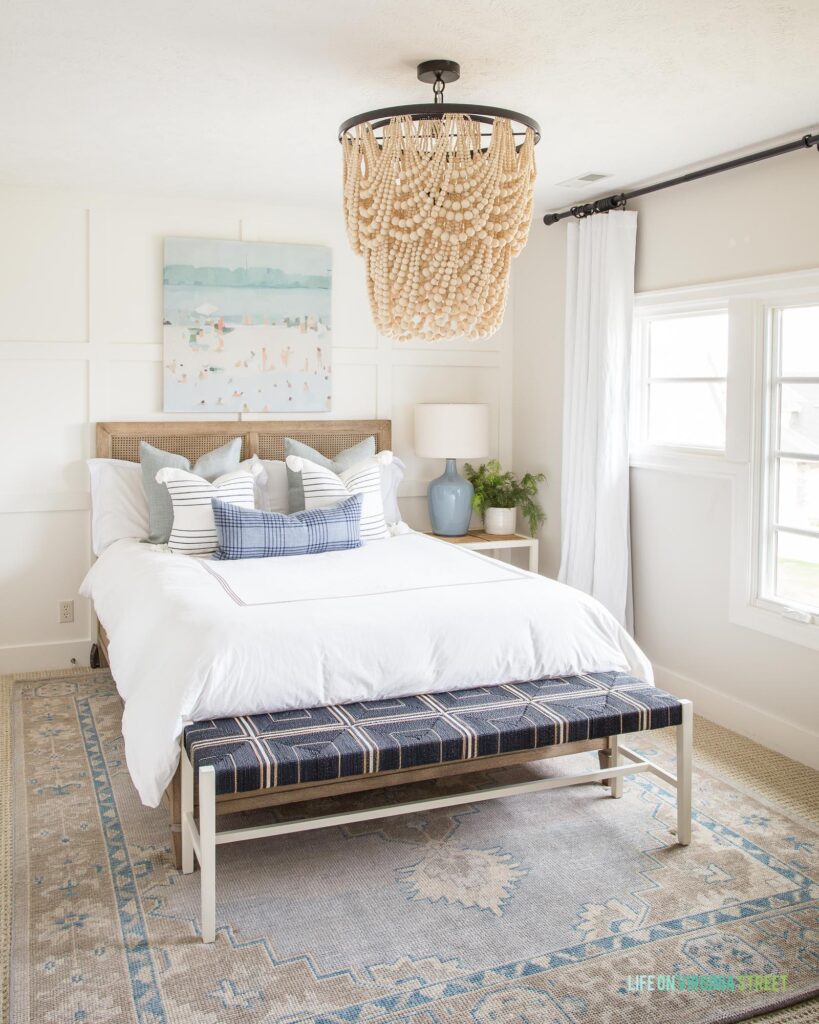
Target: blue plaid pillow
<point>251,533</point>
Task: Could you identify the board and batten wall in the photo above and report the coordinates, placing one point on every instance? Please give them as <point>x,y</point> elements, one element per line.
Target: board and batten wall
<point>81,341</point>
<point>761,219</point>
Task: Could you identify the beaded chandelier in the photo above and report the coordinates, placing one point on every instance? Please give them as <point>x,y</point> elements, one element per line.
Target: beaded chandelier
<point>438,200</point>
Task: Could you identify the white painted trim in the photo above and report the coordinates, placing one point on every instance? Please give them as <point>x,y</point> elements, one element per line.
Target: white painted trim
<point>768,288</point>
<point>45,501</point>
<point>55,654</point>
<point>77,351</point>
<point>150,352</point>
<point>685,461</point>
<point>788,738</point>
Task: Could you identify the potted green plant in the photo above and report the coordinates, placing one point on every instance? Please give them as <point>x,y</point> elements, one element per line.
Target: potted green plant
<point>499,495</point>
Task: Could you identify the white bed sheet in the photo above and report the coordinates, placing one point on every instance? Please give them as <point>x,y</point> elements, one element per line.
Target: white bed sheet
<point>191,638</point>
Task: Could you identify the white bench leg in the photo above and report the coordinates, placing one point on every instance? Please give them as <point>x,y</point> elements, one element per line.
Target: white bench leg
<point>614,761</point>
<point>685,757</point>
<point>187,808</point>
<point>207,842</point>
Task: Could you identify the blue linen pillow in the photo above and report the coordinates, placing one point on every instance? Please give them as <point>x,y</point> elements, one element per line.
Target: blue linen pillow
<point>252,533</point>
<point>209,466</point>
<point>344,460</point>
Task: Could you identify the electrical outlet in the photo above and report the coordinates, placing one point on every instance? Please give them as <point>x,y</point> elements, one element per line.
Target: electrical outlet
<point>66,612</point>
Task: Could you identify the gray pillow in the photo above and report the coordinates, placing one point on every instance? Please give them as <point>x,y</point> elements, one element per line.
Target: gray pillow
<point>344,460</point>
<point>160,509</point>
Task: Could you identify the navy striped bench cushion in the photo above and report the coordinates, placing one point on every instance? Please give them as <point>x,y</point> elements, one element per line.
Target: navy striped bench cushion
<point>321,744</point>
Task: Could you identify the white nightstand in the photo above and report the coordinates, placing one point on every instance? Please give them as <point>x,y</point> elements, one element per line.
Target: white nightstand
<point>478,540</point>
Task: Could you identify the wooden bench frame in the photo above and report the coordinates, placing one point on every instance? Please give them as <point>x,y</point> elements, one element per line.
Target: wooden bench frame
<point>200,837</point>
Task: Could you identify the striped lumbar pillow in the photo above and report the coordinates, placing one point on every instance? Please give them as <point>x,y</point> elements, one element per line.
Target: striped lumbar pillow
<point>194,531</point>
<point>322,487</point>
<point>256,534</point>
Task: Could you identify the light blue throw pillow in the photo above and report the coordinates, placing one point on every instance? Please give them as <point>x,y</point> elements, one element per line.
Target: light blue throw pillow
<point>252,533</point>
<point>160,508</point>
<point>344,460</point>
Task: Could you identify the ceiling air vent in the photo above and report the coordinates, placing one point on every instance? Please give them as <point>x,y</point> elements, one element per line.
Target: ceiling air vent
<point>583,180</point>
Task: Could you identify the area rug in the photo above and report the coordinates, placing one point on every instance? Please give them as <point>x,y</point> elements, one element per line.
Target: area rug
<point>568,907</point>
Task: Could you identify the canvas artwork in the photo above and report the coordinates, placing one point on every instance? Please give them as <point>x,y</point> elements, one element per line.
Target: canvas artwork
<point>246,326</point>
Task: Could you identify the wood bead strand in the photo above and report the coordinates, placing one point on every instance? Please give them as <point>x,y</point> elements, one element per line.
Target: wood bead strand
<point>438,220</point>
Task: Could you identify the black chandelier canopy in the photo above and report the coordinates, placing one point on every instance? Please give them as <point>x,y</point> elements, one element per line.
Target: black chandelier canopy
<point>439,73</point>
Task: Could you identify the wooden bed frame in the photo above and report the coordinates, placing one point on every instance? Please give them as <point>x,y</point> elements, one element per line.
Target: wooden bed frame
<point>266,439</point>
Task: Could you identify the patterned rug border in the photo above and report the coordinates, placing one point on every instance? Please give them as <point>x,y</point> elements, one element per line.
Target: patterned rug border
<point>7,685</point>
<point>806,892</point>
<point>785,785</point>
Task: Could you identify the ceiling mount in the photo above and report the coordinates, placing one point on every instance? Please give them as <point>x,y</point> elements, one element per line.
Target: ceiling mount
<point>438,73</point>
<point>431,71</point>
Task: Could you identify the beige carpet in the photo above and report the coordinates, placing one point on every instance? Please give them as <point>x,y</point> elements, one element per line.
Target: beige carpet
<point>735,778</point>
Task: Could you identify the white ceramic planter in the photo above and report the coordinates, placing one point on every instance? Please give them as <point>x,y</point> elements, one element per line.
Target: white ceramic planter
<point>500,520</point>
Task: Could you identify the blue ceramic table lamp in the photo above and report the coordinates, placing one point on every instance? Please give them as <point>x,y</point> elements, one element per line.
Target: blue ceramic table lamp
<point>451,431</point>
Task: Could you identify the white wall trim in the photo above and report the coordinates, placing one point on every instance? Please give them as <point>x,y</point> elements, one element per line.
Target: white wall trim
<point>97,344</point>
<point>778,734</point>
<point>55,654</point>
<point>45,501</point>
<point>685,462</point>
<point>767,287</point>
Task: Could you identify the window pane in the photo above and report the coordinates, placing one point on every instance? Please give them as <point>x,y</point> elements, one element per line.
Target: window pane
<point>687,414</point>
<point>689,346</point>
<point>799,418</point>
<point>800,341</point>
<point>799,494</point>
<point>797,569</point>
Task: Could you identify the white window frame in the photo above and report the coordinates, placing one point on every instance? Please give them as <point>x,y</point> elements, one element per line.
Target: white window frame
<point>750,303</point>
<point>644,316</point>
<point>770,454</point>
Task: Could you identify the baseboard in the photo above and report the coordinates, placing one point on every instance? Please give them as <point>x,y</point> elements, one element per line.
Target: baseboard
<point>778,734</point>
<point>40,657</point>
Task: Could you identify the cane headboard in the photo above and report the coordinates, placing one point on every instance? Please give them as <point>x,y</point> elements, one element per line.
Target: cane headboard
<point>264,438</point>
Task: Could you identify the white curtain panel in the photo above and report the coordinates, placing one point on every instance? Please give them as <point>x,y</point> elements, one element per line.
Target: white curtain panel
<point>595,550</point>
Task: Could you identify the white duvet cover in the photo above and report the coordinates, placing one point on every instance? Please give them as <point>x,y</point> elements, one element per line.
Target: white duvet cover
<point>191,639</point>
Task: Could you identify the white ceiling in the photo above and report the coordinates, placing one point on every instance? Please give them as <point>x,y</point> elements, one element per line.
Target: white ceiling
<point>242,99</point>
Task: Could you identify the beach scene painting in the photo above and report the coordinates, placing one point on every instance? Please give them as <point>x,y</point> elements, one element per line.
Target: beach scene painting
<point>246,326</point>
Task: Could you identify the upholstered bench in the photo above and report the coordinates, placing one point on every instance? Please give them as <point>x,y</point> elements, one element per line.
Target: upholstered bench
<point>303,754</point>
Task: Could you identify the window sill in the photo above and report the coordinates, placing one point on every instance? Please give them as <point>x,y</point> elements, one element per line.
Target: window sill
<point>771,619</point>
<point>699,461</point>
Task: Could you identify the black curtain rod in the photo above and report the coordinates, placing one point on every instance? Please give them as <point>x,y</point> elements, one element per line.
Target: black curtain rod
<point>618,201</point>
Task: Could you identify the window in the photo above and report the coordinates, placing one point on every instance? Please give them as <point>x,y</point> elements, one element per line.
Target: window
<point>682,369</point>
<point>789,557</point>
<point>725,385</point>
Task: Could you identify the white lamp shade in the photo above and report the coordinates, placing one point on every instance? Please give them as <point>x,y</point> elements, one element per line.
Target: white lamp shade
<point>451,431</point>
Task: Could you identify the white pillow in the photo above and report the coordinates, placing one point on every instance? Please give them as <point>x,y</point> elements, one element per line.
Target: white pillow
<point>322,487</point>
<point>391,476</point>
<point>194,531</point>
<point>118,505</point>
<point>271,484</point>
